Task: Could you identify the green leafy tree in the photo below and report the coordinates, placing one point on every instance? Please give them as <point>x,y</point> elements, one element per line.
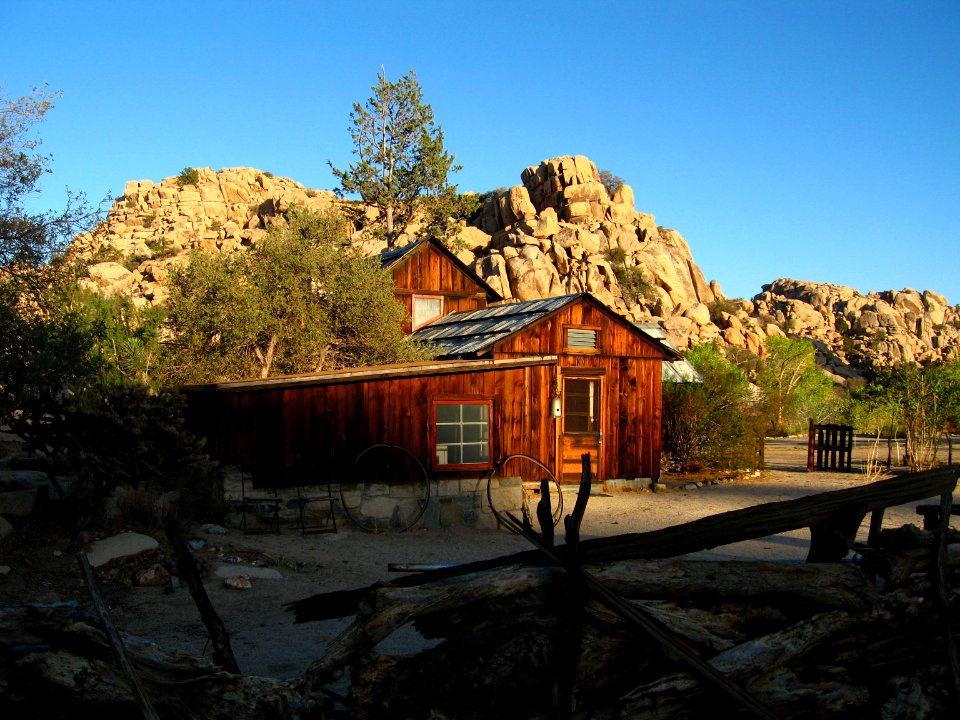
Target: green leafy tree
<point>72,363</point>
<point>794,389</point>
<point>712,423</point>
<point>29,240</point>
<point>401,157</point>
<point>921,402</point>
<point>303,300</point>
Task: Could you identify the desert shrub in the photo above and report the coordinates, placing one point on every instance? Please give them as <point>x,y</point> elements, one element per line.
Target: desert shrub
<point>125,436</point>
<point>161,247</point>
<point>719,306</point>
<point>634,284</point>
<point>611,182</point>
<point>188,176</point>
<point>710,423</point>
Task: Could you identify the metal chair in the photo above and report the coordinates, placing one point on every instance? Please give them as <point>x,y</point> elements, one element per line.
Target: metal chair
<point>265,503</point>
<point>328,519</point>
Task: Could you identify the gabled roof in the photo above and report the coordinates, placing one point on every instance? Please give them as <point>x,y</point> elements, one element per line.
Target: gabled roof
<point>472,333</point>
<point>678,371</point>
<point>395,256</point>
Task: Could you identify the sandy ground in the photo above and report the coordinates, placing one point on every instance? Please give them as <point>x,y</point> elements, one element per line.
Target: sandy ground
<point>267,642</point>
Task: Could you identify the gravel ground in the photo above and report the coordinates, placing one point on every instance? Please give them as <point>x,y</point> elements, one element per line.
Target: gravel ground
<point>268,643</point>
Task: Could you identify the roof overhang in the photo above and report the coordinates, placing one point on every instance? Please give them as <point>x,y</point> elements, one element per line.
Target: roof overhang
<point>374,372</point>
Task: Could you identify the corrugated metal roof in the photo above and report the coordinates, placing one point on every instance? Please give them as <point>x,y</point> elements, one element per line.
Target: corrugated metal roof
<point>679,371</point>
<point>391,255</point>
<point>675,370</point>
<point>473,332</point>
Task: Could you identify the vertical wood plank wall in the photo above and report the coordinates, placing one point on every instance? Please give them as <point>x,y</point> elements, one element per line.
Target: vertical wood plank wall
<point>427,267</point>
<point>330,424</point>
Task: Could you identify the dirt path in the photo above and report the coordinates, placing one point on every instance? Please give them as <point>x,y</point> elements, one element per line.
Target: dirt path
<point>267,642</point>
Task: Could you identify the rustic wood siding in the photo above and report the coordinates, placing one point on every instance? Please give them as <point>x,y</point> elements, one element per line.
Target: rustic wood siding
<point>631,369</point>
<point>326,426</point>
<point>427,271</point>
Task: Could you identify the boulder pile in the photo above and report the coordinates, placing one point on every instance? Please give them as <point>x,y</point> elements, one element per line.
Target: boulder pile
<point>564,229</point>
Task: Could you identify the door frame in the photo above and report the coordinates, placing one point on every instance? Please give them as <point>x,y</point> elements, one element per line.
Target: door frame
<point>599,376</point>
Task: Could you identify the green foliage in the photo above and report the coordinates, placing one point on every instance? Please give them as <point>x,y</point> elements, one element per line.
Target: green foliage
<point>124,339</point>
<point>161,247</point>
<point>793,388</point>
<point>611,182</point>
<point>44,356</point>
<point>634,284</point>
<point>920,402</point>
<point>446,212</point>
<point>877,339</point>
<point>720,306</point>
<point>123,435</point>
<point>188,176</point>
<point>29,240</point>
<point>400,153</point>
<point>70,387</point>
<point>303,300</point>
<point>711,423</point>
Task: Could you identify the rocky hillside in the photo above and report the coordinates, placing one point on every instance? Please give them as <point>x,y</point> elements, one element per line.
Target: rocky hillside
<point>561,230</point>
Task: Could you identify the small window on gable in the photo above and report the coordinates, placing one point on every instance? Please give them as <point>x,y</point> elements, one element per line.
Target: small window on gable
<point>582,339</point>
<point>425,309</point>
<point>462,437</point>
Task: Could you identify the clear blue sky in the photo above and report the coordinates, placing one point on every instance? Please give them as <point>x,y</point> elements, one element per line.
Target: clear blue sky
<point>818,140</point>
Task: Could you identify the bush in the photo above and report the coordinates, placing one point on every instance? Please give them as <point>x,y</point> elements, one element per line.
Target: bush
<point>188,176</point>
<point>711,423</point>
<point>126,436</point>
<point>633,282</point>
<point>611,182</point>
<point>720,306</point>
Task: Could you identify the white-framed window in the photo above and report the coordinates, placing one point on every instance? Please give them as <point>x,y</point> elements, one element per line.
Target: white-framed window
<point>425,309</point>
<point>462,433</point>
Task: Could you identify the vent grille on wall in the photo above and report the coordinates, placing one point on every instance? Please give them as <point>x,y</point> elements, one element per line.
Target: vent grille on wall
<point>578,339</point>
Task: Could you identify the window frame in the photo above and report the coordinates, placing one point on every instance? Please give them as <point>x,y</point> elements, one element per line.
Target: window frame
<point>414,325</point>
<point>434,424</point>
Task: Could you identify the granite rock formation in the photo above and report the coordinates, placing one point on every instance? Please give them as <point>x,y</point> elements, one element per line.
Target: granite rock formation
<point>561,230</point>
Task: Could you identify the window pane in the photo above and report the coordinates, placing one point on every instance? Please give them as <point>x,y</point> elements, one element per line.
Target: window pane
<point>473,432</point>
<point>448,413</point>
<point>463,433</point>
<point>448,434</point>
<point>475,413</point>
<point>426,309</point>
<point>476,453</point>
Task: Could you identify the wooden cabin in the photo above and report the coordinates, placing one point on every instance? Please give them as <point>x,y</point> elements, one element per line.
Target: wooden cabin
<point>550,379</point>
<point>605,395</point>
<point>431,282</point>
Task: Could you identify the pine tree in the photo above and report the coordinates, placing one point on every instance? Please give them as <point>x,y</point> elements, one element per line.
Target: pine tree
<point>402,160</point>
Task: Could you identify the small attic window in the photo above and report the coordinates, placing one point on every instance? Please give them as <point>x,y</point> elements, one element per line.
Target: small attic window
<point>425,309</point>
<point>583,339</point>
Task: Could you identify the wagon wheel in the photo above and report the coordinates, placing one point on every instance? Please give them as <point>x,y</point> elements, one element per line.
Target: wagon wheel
<point>388,490</point>
<point>530,471</point>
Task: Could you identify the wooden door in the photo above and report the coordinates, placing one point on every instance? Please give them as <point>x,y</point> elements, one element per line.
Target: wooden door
<point>582,430</point>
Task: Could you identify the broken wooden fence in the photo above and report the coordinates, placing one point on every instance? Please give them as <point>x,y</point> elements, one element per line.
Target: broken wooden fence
<point>833,518</point>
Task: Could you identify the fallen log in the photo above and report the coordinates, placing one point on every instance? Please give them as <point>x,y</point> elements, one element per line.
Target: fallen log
<point>674,541</point>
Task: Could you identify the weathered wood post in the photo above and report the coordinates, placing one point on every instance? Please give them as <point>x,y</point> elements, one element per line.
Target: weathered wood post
<point>811,440</point>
